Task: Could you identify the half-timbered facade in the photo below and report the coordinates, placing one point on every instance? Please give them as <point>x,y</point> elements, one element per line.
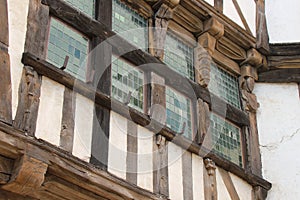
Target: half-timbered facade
<point>133,99</point>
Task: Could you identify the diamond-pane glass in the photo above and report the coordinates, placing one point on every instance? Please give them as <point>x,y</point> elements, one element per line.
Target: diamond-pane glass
<point>126,79</point>
<point>225,86</point>
<point>178,112</point>
<point>130,25</point>
<point>226,138</point>
<point>85,6</point>
<point>64,41</point>
<point>179,56</point>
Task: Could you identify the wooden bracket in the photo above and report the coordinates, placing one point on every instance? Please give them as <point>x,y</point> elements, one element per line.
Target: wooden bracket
<point>27,177</point>
<point>254,58</point>
<point>259,193</point>
<point>214,28</point>
<point>203,62</point>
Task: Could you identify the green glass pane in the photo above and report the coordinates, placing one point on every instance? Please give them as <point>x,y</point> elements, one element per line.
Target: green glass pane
<point>178,112</point>
<point>225,86</point>
<point>226,139</point>
<point>126,79</point>
<point>179,56</point>
<point>130,25</point>
<point>85,6</point>
<point>64,41</point>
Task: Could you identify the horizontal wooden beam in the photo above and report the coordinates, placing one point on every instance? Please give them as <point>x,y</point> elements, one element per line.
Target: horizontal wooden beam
<point>46,69</point>
<point>285,49</point>
<point>286,75</point>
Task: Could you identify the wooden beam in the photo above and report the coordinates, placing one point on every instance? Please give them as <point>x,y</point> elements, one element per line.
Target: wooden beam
<point>187,176</point>
<point>244,21</point>
<point>68,118</point>
<point>4,33</point>
<point>9,196</point>
<point>284,61</point>
<point>210,180</point>
<point>288,75</point>
<point>285,49</point>
<point>229,185</point>
<point>132,153</point>
<point>218,4</point>
<point>29,94</point>
<point>262,36</point>
<point>6,167</point>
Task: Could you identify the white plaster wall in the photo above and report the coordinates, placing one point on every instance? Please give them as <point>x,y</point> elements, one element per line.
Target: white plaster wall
<point>221,188</point>
<point>83,128</point>
<point>117,151</point>
<point>17,16</point>
<point>248,8</point>
<point>279,134</point>
<point>50,111</point>
<point>283,18</point>
<point>198,183</point>
<point>211,2</point>
<point>175,171</point>
<point>243,189</point>
<point>145,159</point>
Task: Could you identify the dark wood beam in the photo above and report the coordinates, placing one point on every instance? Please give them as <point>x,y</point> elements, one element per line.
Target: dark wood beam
<point>46,69</point>
<point>280,76</point>
<point>285,49</point>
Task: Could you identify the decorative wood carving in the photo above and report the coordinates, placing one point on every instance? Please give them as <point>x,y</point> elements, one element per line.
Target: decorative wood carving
<point>210,181</point>
<point>160,166</point>
<point>208,42</point>
<point>230,49</point>
<point>254,58</point>
<point>27,177</point>
<point>6,166</point>
<point>161,22</point>
<point>187,20</point>
<point>203,121</point>
<point>214,27</point>
<point>262,36</point>
<point>29,94</point>
<point>203,63</point>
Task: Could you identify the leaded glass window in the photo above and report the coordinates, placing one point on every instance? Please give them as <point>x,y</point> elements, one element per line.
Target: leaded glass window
<point>179,56</point>
<point>226,139</point>
<point>225,86</point>
<point>178,109</point>
<point>64,41</point>
<point>126,79</point>
<point>129,24</point>
<point>85,6</point>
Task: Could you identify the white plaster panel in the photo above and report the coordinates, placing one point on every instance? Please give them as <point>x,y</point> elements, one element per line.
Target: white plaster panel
<point>17,17</point>
<point>221,187</point>
<point>283,19</point>
<point>211,2</point>
<point>83,129</point>
<point>230,12</point>
<point>175,171</point>
<point>117,152</point>
<point>50,111</point>
<point>279,134</point>
<point>145,159</point>
<point>248,8</point>
<point>243,189</point>
<point>198,183</point>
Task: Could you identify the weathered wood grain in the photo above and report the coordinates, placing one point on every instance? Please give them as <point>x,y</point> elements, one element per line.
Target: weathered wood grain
<point>132,153</point>
<point>29,94</point>
<point>187,176</point>
<point>210,180</point>
<point>68,118</point>
<point>4,33</point>
<point>5,87</point>
<point>288,75</point>
<point>229,185</point>
<point>262,36</point>
<point>218,4</point>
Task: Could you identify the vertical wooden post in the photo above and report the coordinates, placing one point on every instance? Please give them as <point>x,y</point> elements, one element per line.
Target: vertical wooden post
<point>262,36</point>
<point>132,151</point>
<point>247,80</point>
<point>218,4</point>
<point>30,86</point>
<point>100,70</point>
<point>5,80</point>
<point>210,180</point>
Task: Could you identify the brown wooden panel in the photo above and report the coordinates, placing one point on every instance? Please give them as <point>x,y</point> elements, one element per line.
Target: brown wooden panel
<point>132,151</point>
<point>67,123</point>
<point>5,87</point>
<point>37,28</point>
<point>4,33</point>
<point>187,176</point>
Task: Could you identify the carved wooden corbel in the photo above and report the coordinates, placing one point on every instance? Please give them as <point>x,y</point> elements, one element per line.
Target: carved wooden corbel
<point>161,23</point>
<point>29,94</point>
<point>27,177</point>
<point>210,181</point>
<point>203,121</point>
